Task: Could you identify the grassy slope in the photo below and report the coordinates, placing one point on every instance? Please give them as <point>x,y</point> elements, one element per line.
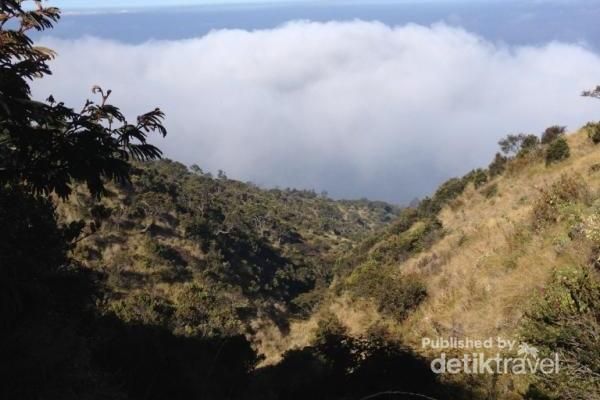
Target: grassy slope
<point>484,272</point>
<point>177,244</point>
<point>487,269</point>
<point>482,269</point>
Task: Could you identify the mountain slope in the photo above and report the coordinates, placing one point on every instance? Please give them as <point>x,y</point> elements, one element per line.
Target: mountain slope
<point>485,256</point>
<point>214,256</point>
<point>487,266</point>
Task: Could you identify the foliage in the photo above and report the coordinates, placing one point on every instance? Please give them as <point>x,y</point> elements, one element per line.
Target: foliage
<point>593,131</point>
<point>229,247</point>
<point>594,93</point>
<point>395,298</point>
<point>568,189</point>
<point>518,145</point>
<point>478,176</point>
<point>529,143</point>
<point>565,320</point>
<point>204,312</point>
<point>490,190</point>
<point>557,150</point>
<point>446,192</point>
<point>553,133</point>
<point>46,145</point>
<point>398,247</point>
<point>498,165</point>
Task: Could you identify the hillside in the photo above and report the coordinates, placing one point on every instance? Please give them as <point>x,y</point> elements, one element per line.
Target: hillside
<point>128,277</point>
<point>515,256</point>
<point>204,255</point>
<point>292,270</point>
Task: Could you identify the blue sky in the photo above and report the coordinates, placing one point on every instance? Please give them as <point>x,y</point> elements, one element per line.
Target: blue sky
<point>371,98</point>
<point>153,3</point>
<point>79,4</point>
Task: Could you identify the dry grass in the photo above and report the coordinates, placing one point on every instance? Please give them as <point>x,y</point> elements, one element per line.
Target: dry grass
<point>484,272</point>
<point>494,260</point>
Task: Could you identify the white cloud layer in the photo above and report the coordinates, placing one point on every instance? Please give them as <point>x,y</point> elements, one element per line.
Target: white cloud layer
<point>359,109</point>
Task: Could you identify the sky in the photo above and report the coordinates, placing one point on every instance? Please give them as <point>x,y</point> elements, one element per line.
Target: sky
<point>158,3</point>
<point>67,4</point>
<point>386,106</point>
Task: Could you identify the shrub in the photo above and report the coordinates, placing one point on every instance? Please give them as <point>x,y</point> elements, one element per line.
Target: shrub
<point>143,308</point>
<point>552,133</point>
<point>593,131</point>
<point>478,177</point>
<point>329,326</point>
<point>397,248</point>
<point>490,191</point>
<point>519,144</point>
<point>567,190</point>
<point>566,320</point>
<point>446,192</point>
<point>450,190</point>
<point>498,165</point>
<point>529,143</point>
<point>401,297</point>
<point>204,311</point>
<point>557,151</point>
<point>395,298</point>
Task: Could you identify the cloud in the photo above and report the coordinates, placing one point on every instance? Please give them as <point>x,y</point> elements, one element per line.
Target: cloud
<point>359,109</point>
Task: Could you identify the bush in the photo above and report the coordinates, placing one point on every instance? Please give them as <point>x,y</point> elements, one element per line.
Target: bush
<point>520,144</point>
<point>329,326</point>
<point>450,190</point>
<point>553,133</point>
<point>478,177</point>
<point>567,190</point>
<point>397,248</point>
<point>490,190</point>
<point>143,308</point>
<point>557,151</point>
<point>566,320</point>
<point>529,143</point>
<point>593,131</point>
<point>204,311</point>
<point>395,298</point>
<point>498,165</point>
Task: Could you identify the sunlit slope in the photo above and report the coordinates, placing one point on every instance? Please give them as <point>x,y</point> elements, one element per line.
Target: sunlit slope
<point>482,269</point>
<point>494,259</point>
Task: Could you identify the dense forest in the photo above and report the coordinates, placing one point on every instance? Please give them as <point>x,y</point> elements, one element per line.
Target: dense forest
<point>129,276</point>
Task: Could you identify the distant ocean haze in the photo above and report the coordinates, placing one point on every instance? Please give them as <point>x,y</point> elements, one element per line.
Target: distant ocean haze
<point>384,108</point>
<point>512,22</point>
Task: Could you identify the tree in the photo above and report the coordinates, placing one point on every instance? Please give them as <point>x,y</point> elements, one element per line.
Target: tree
<point>46,145</point>
<point>594,93</point>
<point>557,151</point>
<point>196,169</point>
<point>593,129</point>
<point>518,144</point>
<point>44,148</point>
<point>552,133</point>
<point>529,143</point>
<point>498,165</point>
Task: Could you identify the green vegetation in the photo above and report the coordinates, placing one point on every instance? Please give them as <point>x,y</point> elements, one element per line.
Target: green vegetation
<point>556,200</point>
<point>498,165</point>
<point>394,298</point>
<point>124,276</point>
<point>566,320</point>
<point>557,151</point>
<point>593,130</point>
<point>553,133</point>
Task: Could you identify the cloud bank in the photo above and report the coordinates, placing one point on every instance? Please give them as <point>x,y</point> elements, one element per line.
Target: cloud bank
<point>359,109</point>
